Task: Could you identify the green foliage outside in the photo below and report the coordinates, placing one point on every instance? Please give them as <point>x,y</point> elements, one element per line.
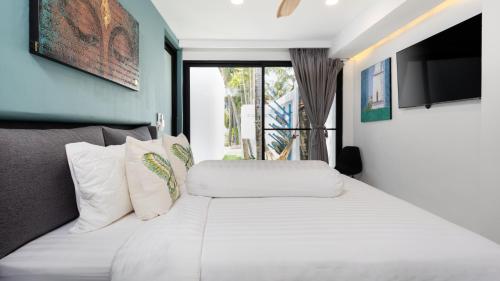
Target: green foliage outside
<point>243,88</point>
<point>232,157</point>
<point>240,90</point>
<point>279,82</point>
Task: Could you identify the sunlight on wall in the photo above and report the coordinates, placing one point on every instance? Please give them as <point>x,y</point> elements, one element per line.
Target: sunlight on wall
<point>436,10</point>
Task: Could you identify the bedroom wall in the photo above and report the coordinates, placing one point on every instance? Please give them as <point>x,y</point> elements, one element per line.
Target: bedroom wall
<point>490,115</point>
<point>34,88</point>
<point>432,158</point>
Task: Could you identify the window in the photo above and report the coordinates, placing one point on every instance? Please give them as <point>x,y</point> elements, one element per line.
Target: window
<point>248,110</point>
<point>286,124</point>
<point>171,58</point>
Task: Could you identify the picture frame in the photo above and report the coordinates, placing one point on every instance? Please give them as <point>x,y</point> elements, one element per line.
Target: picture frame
<point>376,92</point>
<point>99,37</point>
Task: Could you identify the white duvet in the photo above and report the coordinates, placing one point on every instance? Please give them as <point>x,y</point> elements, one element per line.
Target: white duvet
<point>364,234</point>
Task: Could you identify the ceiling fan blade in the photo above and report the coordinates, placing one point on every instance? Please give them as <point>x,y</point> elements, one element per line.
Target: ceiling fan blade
<point>287,7</point>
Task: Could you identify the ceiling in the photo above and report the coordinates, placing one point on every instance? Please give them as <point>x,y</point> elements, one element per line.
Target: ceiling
<point>346,29</point>
<point>255,20</point>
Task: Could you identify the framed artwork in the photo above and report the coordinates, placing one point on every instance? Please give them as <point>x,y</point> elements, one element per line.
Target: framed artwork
<point>96,36</point>
<point>376,93</point>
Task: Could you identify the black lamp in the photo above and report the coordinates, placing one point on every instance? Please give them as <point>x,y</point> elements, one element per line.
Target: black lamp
<point>349,161</point>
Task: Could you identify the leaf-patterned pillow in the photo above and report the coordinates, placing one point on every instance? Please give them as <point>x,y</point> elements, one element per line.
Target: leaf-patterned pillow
<point>180,155</point>
<point>184,154</point>
<point>162,168</point>
<point>151,185</point>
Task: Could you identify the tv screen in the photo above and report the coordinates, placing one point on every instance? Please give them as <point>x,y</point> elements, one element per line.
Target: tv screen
<point>444,67</point>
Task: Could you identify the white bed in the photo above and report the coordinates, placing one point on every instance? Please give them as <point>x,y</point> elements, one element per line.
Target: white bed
<point>61,256</point>
<point>364,234</point>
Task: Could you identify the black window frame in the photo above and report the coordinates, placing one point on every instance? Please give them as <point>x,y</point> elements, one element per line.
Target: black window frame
<point>188,64</point>
<point>172,51</point>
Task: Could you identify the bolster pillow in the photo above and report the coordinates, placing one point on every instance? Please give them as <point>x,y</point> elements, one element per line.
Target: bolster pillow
<point>264,179</point>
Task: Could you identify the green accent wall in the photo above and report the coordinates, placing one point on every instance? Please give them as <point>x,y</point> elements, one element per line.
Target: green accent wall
<point>36,89</point>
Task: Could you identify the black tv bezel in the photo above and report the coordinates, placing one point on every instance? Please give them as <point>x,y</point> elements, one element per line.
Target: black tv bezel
<point>428,106</point>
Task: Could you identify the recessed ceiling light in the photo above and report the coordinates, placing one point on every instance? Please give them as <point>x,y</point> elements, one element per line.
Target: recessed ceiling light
<point>331,2</point>
<point>237,2</point>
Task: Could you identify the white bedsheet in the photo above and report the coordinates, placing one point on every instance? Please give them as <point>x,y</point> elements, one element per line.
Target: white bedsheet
<point>167,248</point>
<point>61,256</point>
<point>363,235</point>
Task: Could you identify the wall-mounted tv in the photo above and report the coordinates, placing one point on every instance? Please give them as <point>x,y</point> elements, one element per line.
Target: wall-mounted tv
<point>445,67</point>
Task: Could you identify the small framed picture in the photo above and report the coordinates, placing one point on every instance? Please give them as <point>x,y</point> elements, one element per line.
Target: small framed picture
<point>376,91</point>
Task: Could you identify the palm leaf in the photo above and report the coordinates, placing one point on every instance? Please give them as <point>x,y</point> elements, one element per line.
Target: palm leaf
<point>184,154</point>
<point>162,168</point>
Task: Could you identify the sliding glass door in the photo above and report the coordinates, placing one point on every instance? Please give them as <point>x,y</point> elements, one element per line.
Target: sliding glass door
<point>223,112</point>
<point>287,125</point>
<point>248,111</point>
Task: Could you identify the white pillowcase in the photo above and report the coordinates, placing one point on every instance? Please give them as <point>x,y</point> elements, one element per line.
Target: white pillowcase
<point>152,189</point>
<point>248,178</point>
<point>180,155</point>
<point>100,184</point>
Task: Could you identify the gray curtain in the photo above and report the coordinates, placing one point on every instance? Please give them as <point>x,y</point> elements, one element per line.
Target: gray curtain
<point>317,78</point>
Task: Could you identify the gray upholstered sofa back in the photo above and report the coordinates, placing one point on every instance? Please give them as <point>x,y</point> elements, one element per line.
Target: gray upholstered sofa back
<point>36,190</point>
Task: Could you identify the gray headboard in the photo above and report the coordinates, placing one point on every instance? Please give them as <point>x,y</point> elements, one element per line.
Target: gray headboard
<point>36,190</point>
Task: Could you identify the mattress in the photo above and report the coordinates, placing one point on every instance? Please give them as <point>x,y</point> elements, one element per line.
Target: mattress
<point>60,255</point>
<point>363,235</point>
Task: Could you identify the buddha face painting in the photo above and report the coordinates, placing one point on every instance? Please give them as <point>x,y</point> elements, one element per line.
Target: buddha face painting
<point>96,36</point>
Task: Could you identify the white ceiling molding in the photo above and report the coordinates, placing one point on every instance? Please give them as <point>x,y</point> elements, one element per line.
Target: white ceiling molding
<point>251,44</point>
<point>363,23</point>
<point>396,19</point>
<point>236,54</point>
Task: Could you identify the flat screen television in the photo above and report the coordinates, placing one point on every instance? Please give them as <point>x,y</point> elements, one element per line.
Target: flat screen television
<point>445,67</point>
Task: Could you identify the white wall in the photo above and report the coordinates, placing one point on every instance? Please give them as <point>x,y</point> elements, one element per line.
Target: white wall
<point>207,113</point>
<point>433,158</point>
<point>236,54</point>
<point>348,105</point>
<point>489,191</point>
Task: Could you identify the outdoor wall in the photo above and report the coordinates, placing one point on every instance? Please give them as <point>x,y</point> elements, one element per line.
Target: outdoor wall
<point>444,159</point>
<point>207,114</point>
<point>34,88</point>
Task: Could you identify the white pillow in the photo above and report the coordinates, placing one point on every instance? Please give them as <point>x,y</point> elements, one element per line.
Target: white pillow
<point>248,178</point>
<point>180,155</point>
<point>72,149</point>
<point>152,185</point>
<point>100,183</point>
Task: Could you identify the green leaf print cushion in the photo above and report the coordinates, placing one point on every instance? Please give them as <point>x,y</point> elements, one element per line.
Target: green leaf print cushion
<point>162,168</point>
<point>180,156</point>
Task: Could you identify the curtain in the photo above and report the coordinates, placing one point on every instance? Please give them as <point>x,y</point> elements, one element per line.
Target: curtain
<point>317,78</point>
